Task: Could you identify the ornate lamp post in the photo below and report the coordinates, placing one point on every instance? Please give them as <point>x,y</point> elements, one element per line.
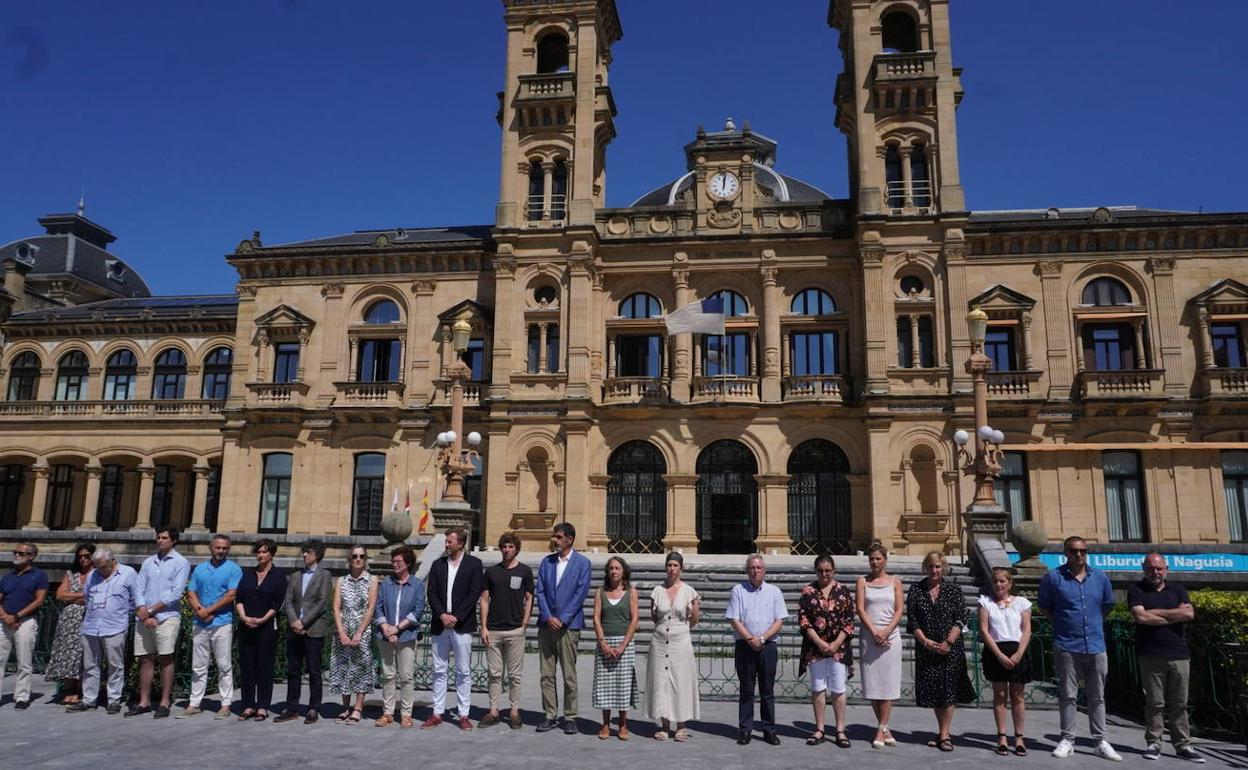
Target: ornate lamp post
<point>984,516</point>
<point>456,461</point>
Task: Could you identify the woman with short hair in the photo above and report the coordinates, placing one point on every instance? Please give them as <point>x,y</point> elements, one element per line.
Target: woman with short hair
<point>351,669</point>
<point>259,598</point>
<point>826,619</point>
<point>935,612</point>
<point>615,623</point>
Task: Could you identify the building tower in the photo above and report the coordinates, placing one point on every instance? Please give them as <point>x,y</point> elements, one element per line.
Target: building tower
<point>895,101</point>
<point>556,111</point>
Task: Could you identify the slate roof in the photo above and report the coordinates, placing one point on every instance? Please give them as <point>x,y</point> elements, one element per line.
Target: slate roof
<point>397,236</point>
<point>797,190</point>
<point>1079,214</point>
<point>135,308</point>
<point>67,254</point>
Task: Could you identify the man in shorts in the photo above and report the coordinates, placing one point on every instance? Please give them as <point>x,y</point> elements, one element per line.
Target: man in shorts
<point>162,581</point>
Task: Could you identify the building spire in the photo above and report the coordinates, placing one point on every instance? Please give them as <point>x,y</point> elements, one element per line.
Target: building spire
<point>82,202</point>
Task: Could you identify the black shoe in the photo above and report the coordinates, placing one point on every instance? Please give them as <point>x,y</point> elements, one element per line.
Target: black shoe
<point>22,705</point>
<point>547,725</point>
<point>744,739</point>
<point>771,738</point>
<point>285,716</point>
<point>74,708</point>
<point>112,708</point>
<point>311,717</point>
<point>136,710</point>
<point>160,712</point>
<point>569,727</point>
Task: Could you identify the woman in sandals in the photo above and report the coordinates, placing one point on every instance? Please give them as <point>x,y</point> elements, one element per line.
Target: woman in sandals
<point>826,619</point>
<point>935,611</point>
<point>1005,627</point>
<point>879,603</point>
<point>615,623</point>
<point>351,669</point>
<point>672,672</point>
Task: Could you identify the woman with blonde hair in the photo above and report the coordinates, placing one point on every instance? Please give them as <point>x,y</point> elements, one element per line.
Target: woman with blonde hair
<point>351,669</point>
<point>1005,627</point>
<point>935,612</point>
<point>878,600</point>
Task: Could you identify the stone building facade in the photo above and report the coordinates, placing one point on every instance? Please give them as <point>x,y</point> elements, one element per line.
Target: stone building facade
<point>309,402</point>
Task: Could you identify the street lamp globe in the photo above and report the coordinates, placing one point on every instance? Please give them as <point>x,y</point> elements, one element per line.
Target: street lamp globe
<point>985,432</point>
<point>460,331</point>
<point>998,437</point>
<point>961,437</point>
<point>474,439</point>
<point>977,323</point>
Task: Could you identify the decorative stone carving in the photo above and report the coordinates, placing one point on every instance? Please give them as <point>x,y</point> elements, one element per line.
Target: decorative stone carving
<point>332,290</point>
<point>723,219</point>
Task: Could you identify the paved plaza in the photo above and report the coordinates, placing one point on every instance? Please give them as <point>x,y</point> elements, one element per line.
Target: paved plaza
<point>44,736</point>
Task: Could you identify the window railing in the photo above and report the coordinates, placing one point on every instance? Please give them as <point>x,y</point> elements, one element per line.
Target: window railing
<point>729,387</point>
<point>905,66</point>
<point>552,85</point>
<point>918,196</point>
<point>815,387</point>
<point>111,409</point>
<point>1227,381</point>
<point>1007,384</point>
<point>370,393</point>
<point>619,390</point>
<point>536,207</point>
<point>1125,382</point>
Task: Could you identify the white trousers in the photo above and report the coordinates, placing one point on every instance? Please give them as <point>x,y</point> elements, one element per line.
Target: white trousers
<point>212,643</point>
<point>22,640</point>
<point>443,644</point>
<point>110,648</point>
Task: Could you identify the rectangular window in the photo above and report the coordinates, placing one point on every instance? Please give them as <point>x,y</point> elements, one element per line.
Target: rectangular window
<point>728,355</point>
<point>1011,487</point>
<point>368,498</point>
<point>119,387</point>
<point>168,386</point>
<point>1235,487</point>
<point>552,349</point>
<point>905,343</point>
<point>1124,496</point>
<point>22,386</point>
<point>638,356</point>
<point>286,362</point>
<point>378,361</point>
<point>814,353</point>
<point>999,346</point>
<point>212,504</point>
<point>112,487</point>
<point>535,348</point>
<point>162,496</point>
<point>1228,345</point>
<point>60,496</point>
<point>216,386</point>
<point>474,356</point>
<point>1108,347</point>
<point>71,387</point>
<point>11,478</point>
<point>275,491</point>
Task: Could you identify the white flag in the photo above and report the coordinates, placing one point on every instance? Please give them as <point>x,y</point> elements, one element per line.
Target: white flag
<point>703,317</point>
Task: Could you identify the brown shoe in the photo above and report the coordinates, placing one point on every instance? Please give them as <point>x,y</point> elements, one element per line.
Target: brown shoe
<point>604,733</point>
<point>489,720</point>
<point>407,722</point>
<point>464,723</point>
<point>385,721</point>
<point>433,721</point>
<point>623,733</point>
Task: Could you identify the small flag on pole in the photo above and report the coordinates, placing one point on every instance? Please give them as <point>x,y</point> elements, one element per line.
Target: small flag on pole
<point>424,511</point>
<point>703,317</point>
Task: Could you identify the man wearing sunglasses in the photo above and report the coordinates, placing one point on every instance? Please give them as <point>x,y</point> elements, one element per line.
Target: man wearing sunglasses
<point>21,595</point>
<point>1076,598</point>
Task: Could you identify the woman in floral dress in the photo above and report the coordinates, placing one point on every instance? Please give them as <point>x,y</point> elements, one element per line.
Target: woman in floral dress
<point>65,665</point>
<point>826,619</point>
<point>351,669</point>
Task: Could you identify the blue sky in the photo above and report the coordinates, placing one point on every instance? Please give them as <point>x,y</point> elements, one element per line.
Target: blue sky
<point>191,124</point>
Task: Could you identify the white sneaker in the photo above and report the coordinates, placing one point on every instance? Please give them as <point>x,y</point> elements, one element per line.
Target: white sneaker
<point>1105,751</point>
<point>1064,749</point>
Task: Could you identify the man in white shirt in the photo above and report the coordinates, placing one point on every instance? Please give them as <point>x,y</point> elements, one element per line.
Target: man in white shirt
<point>455,582</point>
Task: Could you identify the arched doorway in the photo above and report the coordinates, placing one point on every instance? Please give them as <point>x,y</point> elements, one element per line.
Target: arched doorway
<point>636,499</point>
<point>727,498</point>
<point>821,518</point>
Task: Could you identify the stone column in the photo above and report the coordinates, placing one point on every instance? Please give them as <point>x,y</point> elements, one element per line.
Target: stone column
<point>580,305</point>
<point>682,372</point>
<point>1206,339</point>
<point>576,487</point>
<point>598,536</point>
<point>1025,323</point>
<point>959,336</point>
<point>786,355</point>
<point>1169,327</point>
<point>903,154</point>
<point>147,475</point>
<point>771,332</point>
<point>504,324</point>
<point>262,356</point>
<point>916,352</point>
<point>860,505</point>
<point>419,327</point>
<point>1056,318</point>
<point>548,186</point>
<point>682,512</point>
<point>611,356</point>
<point>302,372</point>
<point>353,364</point>
<point>200,509</point>
<point>39,496</point>
<point>91,501</point>
<point>773,514</point>
<point>1141,358</point>
<point>541,347</point>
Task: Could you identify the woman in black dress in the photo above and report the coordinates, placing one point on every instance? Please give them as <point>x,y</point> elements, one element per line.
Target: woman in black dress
<point>257,602</point>
<point>935,612</point>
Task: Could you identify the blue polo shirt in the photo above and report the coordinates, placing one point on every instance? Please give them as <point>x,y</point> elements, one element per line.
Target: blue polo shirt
<point>20,590</point>
<point>1077,608</point>
<point>210,583</point>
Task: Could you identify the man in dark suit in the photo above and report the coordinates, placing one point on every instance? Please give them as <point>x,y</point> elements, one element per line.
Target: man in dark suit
<point>455,582</point>
<point>562,585</point>
<point>308,593</point>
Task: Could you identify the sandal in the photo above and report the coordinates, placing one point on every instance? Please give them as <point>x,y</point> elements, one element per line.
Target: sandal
<point>816,738</point>
<point>261,715</point>
<point>384,720</point>
<point>604,733</point>
<point>682,735</point>
<point>660,735</point>
<point>354,719</point>
<point>945,744</point>
<point>889,740</point>
<point>407,722</point>
<point>1003,746</point>
<point>341,718</point>
<point>247,714</point>
<point>842,740</point>
<point>1020,746</point>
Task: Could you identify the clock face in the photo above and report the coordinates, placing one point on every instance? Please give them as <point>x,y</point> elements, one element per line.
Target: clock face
<point>724,185</point>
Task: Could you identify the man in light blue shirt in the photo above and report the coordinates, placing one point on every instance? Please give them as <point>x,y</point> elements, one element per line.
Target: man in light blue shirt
<point>211,596</point>
<point>162,579</point>
<point>109,595</point>
<point>756,610</point>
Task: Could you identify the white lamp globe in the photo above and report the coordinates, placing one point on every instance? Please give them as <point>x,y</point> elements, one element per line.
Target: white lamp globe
<point>474,438</point>
<point>998,437</point>
<point>441,439</point>
<point>450,437</point>
<point>984,433</point>
<point>961,437</point>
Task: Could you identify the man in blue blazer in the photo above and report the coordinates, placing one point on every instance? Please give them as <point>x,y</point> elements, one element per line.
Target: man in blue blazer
<point>562,585</point>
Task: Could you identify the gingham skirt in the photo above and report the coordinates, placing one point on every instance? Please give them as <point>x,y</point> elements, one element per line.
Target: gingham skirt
<point>615,681</point>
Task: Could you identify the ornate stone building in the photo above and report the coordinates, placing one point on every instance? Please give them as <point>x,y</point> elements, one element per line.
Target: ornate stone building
<point>821,419</point>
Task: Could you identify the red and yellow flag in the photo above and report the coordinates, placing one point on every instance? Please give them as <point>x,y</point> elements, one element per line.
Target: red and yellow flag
<point>424,512</point>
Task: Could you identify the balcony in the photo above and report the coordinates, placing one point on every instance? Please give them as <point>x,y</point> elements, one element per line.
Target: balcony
<point>1227,382</point>
<point>1003,386</point>
<point>1125,383</point>
<point>93,410</point>
<point>632,390</point>
<point>283,394</point>
<point>369,394</point>
<point>814,387</point>
<point>547,87</point>
<point>901,67</point>
<point>472,392</point>
<point>726,389</point>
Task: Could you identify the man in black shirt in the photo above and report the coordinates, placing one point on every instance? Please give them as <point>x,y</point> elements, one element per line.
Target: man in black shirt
<point>505,606</point>
<point>1160,609</point>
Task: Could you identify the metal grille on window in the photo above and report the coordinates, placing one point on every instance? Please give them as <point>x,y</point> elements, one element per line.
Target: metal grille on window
<point>820,512</point>
<point>727,497</point>
<point>636,499</point>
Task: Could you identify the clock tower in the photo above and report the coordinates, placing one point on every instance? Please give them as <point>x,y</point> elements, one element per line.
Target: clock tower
<point>723,166</point>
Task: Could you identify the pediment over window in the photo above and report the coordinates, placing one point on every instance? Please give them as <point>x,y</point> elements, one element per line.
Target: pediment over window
<point>1225,296</point>
<point>1002,298</point>
<point>285,321</point>
<point>473,311</point>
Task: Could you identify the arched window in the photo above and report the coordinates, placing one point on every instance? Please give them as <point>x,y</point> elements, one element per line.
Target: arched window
<point>24,377</point>
<point>899,33</point>
<point>552,53</point>
<point>169,382</point>
<point>727,498</point>
<point>821,518</point>
<point>367,504</point>
<point>640,305</point>
<point>217,374</point>
<point>734,303</point>
<point>537,187</point>
<point>559,190</point>
<point>12,478</point>
<point>920,180</point>
<point>895,184</point>
<point>636,499</point>
<point>60,496</point>
<point>813,302</point>
<point>383,311</point>
<point>162,496</point>
<point>729,354</point>
<point>1106,292</point>
<point>275,491</point>
<point>71,377</point>
<point>121,372</point>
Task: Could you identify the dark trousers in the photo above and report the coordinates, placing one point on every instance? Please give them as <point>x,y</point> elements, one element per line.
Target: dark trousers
<point>756,665</point>
<point>257,650</point>
<point>302,652</point>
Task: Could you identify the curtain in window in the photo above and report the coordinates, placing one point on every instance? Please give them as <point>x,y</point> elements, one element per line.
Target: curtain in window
<point>1123,495</point>
<point>1235,486</point>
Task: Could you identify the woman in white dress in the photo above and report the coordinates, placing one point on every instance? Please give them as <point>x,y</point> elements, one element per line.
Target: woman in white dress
<point>879,602</point>
<point>671,672</point>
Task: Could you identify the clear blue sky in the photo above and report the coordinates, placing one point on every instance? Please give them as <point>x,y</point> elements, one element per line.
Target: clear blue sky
<point>190,123</point>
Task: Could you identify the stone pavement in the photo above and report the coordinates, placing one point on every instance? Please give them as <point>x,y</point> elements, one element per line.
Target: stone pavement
<point>45,737</point>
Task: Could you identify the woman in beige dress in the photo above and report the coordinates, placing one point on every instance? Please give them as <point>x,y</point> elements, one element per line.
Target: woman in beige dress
<point>878,596</point>
<point>671,672</point>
